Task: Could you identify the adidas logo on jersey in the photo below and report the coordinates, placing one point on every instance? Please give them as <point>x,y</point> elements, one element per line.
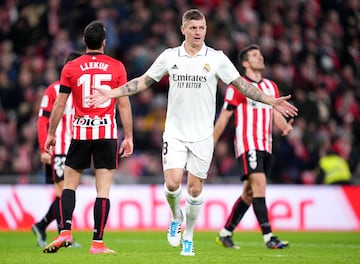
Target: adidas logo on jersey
<point>174,67</point>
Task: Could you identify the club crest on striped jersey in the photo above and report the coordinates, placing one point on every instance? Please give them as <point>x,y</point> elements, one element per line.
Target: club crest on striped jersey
<point>253,164</point>
<point>230,94</point>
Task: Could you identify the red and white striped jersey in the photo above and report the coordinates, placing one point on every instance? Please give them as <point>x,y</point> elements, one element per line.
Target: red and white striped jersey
<point>79,76</point>
<point>253,120</point>
<point>63,132</point>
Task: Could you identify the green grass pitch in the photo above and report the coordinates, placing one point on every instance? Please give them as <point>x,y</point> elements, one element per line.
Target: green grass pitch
<point>152,247</point>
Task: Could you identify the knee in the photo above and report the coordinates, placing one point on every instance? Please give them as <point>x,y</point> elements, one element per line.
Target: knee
<point>172,186</point>
<point>247,196</point>
<point>194,190</point>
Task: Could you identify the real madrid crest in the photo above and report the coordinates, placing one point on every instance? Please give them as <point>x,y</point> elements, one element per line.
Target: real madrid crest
<point>206,67</point>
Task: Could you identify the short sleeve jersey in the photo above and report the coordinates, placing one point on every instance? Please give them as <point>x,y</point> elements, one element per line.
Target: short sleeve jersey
<point>78,77</point>
<point>253,120</point>
<point>63,133</point>
<point>192,89</point>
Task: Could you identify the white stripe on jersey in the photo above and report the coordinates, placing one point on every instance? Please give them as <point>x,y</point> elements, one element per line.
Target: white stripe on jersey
<point>86,128</point>
<point>63,131</point>
<point>108,128</point>
<point>254,123</point>
<point>95,130</point>
<point>82,133</point>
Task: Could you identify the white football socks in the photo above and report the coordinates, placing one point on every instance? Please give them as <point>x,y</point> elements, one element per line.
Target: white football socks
<point>173,199</point>
<point>193,207</point>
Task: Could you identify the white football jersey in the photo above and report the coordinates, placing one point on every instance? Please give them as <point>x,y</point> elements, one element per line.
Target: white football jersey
<point>192,89</point>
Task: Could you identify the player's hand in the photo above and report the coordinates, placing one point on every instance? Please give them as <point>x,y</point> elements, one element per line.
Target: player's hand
<point>45,158</point>
<point>284,107</point>
<point>98,97</point>
<point>288,127</point>
<point>50,141</point>
<point>126,148</point>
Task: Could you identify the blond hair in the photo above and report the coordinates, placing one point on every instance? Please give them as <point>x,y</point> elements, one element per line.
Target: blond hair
<point>192,14</point>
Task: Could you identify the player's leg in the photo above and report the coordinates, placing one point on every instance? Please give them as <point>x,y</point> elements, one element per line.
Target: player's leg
<point>173,182</point>
<point>174,156</point>
<point>39,228</point>
<point>105,162</point>
<point>67,204</point>
<point>198,163</point>
<point>172,190</point>
<point>59,186</point>
<point>238,210</point>
<point>58,179</point>
<point>102,203</point>
<point>193,206</point>
<point>77,159</point>
<point>101,210</point>
<point>257,180</point>
<point>67,201</point>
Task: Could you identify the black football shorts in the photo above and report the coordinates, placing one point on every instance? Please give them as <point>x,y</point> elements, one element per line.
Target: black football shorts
<point>103,153</point>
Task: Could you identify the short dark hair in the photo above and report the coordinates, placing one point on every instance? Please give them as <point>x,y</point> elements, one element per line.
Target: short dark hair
<point>94,34</point>
<point>72,56</point>
<point>243,54</point>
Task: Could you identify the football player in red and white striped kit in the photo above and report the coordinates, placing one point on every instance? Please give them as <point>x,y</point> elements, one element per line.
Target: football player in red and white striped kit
<point>55,163</point>
<point>253,146</point>
<point>94,133</point>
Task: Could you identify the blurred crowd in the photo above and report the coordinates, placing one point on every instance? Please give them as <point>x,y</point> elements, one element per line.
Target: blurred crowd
<point>311,49</point>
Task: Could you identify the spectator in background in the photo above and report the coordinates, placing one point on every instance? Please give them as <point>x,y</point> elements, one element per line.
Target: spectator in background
<point>333,169</point>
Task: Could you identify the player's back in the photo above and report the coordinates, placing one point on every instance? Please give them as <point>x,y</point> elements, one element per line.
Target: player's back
<point>80,76</point>
<point>88,71</point>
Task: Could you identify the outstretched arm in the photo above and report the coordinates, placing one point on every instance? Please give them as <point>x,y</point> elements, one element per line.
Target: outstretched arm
<point>133,86</point>
<point>252,92</point>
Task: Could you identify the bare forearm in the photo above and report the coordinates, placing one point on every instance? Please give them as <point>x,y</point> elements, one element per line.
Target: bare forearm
<point>279,120</point>
<point>126,119</point>
<point>132,87</point>
<point>55,117</point>
<point>221,123</point>
<point>284,125</point>
<point>251,91</point>
<point>218,130</point>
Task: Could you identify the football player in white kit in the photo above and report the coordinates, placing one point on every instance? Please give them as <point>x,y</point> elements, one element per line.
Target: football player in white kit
<point>194,70</point>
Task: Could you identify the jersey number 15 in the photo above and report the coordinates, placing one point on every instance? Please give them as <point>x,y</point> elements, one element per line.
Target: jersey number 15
<point>88,81</point>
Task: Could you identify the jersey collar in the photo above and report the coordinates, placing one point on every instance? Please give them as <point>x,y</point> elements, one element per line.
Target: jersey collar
<point>250,80</point>
<point>202,51</point>
<point>93,53</point>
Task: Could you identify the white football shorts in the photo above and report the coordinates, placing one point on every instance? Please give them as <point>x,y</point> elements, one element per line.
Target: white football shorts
<point>194,157</point>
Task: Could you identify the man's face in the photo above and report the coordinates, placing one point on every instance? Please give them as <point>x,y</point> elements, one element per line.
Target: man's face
<point>194,32</point>
<point>255,60</point>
